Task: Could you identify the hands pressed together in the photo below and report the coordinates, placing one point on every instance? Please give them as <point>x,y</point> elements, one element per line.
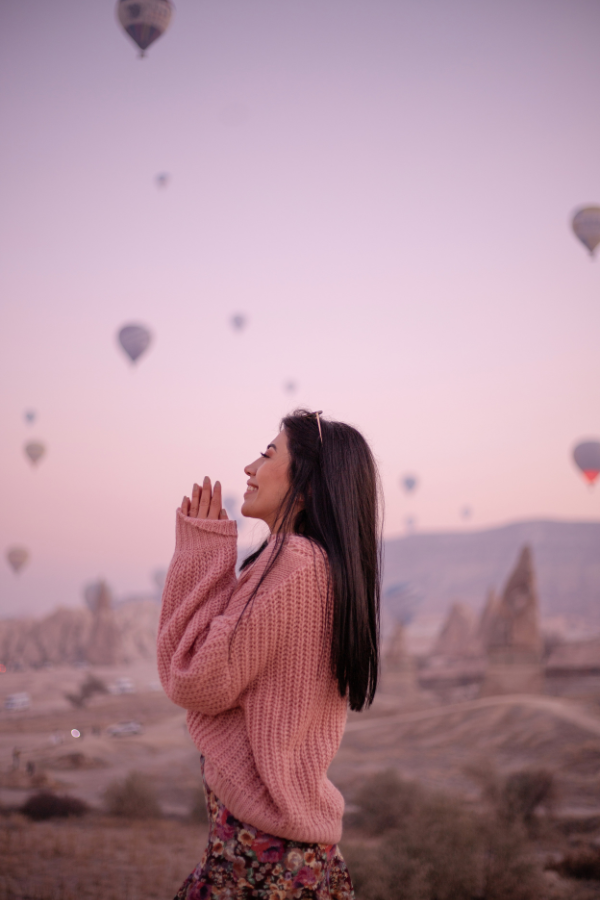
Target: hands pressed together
<point>205,502</point>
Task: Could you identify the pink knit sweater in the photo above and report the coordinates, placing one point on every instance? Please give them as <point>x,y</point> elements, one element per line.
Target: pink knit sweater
<point>263,706</point>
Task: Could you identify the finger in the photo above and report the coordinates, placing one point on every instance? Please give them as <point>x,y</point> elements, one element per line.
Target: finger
<point>185,506</point>
<point>223,514</point>
<point>195,501</point>
<point>215,505</point>
<point>205,499</point>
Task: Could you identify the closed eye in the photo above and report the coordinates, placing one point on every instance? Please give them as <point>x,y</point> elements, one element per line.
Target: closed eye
<point>266,456</point>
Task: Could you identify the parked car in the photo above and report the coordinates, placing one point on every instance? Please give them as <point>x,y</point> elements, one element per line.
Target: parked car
<point>18,701</point>
<point>124,729</point>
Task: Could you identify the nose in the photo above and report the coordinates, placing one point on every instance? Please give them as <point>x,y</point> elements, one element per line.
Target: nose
<point>250,470</point>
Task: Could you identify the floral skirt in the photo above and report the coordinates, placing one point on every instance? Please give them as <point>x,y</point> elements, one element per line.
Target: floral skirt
<point>241,862</point>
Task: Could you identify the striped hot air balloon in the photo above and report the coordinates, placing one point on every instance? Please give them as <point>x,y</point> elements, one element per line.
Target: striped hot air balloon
<point>144,20</point>
<point>587,458</point>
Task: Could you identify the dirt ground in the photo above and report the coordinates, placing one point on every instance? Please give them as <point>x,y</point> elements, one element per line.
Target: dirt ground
<point>98,857</point>
<point>85,765</point>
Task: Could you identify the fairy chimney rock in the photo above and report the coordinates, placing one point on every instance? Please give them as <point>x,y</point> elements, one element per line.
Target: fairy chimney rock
<point>513,627</point>
<point>104,646</point>
<point>396,657</point>
<point>456,637</point>
<point>486,621</point>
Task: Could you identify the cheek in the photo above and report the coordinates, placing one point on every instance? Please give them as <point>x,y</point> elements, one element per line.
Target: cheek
<point>283,481</point>
<point>273,482</point>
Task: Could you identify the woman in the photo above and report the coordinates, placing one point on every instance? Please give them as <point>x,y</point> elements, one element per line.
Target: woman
<point>266,664</point>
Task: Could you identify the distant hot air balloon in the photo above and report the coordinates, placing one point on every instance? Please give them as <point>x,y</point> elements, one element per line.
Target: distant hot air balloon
<point>135,340</point>
<point>466,512</point>
<point>35,450</point>
<point>586,225</point>
<point>409,483</point>
<point>162,179</point>
<point>238,322</point>
<point>144,20</point>
<point>30,416</point>
<point>290,387</point>
<point>587,457</point>
<point>17,557</point>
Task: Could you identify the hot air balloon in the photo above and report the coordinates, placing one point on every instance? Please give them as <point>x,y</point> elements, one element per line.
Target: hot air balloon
<point>29,416</point>
<point>35,450</point>
<point>409,483</point>
<point>238,322</point>
<point>290,387</point>
<point>466,512</point>
<point>586,225</point>
<point>587,457</point>
<point>144,20</point>
<point>162,179</point>
<point>135,340</point>
<point>17,557</point>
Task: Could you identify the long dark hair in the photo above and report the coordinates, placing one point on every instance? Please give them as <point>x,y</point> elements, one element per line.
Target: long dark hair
<point>335,482</point>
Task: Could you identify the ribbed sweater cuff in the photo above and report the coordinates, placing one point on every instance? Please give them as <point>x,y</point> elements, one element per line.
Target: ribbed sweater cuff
<point>198,534</point>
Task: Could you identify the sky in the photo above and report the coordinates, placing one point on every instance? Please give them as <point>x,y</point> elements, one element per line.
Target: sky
<point>384,189</point>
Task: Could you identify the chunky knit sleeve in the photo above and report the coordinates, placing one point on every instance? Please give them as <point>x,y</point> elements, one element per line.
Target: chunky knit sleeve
<point>198,587</point>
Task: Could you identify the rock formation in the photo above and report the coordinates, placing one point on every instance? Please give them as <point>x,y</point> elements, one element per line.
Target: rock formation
<point>456,639</point>
<point>514,639</point>
<point>104,646</point>
<point>66,636</point>
<point>514,627</point>
<point>398,668</point>
<point>396,658</point>
<point>485,626</point>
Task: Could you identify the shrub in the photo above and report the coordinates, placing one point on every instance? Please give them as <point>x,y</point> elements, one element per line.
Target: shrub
<point>509,872</point>
<point>383,802</point>
<point>584,862</point>
<point>46,805</point>
<point>92,685</point>
<point>515,798</point>
<point>523,792</point>
<point>133,798</point>
<point>436,849</point>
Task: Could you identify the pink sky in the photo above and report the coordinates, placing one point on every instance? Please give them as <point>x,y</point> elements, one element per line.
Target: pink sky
<point>384,188</point>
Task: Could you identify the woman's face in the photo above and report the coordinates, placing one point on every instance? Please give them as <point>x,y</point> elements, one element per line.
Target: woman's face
<point>268,482</point>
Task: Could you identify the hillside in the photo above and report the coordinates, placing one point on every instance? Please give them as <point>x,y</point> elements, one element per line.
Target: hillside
<point>463,566</point>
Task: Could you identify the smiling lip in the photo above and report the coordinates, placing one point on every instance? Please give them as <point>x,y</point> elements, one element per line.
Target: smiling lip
<point>252,489</point>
